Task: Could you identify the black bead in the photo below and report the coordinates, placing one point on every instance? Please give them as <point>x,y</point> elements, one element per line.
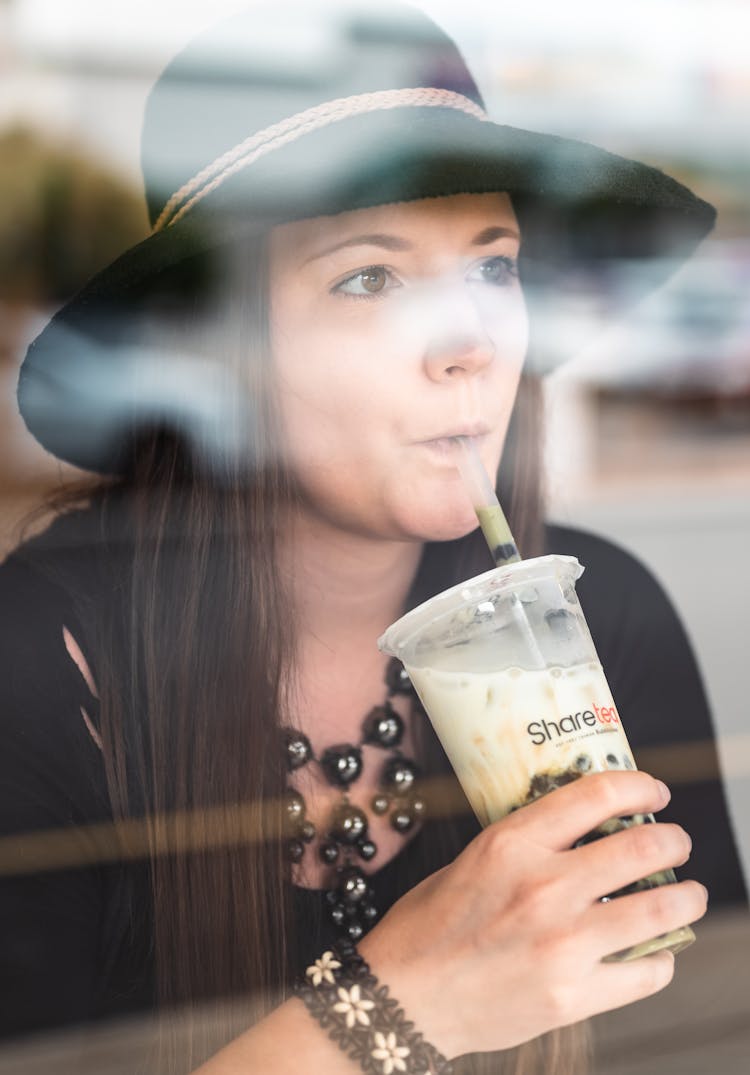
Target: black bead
<point>380,804</point>
<point>338,914</point>
<point>328,852</point>
<point>369,912</point>
<point>306,831</point>
<point>298,749</point>
<point>383,727</point>
<point>398,775</point>
<point>295,810</point>
<point>342,764</point>
<point>355,931</point>
<point>367,849</point>
<point>417,806</point>
<point>397,678</point>
<point>296,850</point>
<point>348,824</point>
<point>352,885</point>
<point>349,955</point>
<point>402,820</point>
<point>331,896</point>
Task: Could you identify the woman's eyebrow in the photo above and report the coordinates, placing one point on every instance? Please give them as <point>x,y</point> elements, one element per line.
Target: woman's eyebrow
<point>396,243</point>
<point>489,235</point>
<point>387,242</point>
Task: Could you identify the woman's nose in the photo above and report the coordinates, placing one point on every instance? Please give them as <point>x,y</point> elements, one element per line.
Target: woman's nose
<point>458,354</point>
<point>458,342</point>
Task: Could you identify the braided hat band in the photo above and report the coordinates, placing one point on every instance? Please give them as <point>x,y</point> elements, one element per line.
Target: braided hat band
<point>289,130</point>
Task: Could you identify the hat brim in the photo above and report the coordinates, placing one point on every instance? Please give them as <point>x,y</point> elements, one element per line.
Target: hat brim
<point>597,230</point>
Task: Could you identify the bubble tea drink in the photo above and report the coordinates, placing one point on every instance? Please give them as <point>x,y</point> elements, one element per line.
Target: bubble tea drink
<point>506,669</point>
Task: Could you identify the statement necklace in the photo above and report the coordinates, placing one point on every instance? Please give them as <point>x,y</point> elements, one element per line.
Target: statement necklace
<point>346,838</point>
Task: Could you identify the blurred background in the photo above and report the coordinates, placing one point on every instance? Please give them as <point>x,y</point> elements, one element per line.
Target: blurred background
<point>648,432</point>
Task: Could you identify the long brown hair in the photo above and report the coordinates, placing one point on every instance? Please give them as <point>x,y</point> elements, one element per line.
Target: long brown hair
<point>189,652</point>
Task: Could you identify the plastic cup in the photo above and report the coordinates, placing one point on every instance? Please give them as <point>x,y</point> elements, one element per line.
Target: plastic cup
<point>507,672</point>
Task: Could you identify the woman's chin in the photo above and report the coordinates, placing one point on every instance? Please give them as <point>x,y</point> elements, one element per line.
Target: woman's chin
<point>454,533</point>
<point>443,524</point>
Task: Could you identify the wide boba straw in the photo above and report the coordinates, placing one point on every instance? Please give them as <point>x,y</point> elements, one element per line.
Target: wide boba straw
<point>506,669</point>
<point>484,500</point>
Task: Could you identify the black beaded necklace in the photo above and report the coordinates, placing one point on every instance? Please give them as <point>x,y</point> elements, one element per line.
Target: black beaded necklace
<point>349,895</point>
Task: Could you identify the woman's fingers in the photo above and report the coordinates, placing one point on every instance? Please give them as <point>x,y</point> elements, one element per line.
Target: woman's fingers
<point>606,865</point>
<point>563,816</point>
<point>631,920</point>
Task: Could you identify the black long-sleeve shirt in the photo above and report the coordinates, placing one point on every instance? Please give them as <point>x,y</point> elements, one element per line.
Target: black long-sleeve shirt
<point>74,940</point>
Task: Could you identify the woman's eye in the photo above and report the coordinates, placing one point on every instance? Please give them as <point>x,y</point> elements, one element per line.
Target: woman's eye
<point>370,281</point>
<point>498,271</point>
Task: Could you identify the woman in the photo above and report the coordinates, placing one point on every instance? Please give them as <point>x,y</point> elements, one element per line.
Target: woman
<point>335,259</point>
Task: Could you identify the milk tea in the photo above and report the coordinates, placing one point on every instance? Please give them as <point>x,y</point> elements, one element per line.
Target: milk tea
<point>508,674</point>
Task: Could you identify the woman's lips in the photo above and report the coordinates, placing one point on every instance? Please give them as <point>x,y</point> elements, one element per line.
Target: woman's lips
<point>448,446</point>
<point>443,445</point>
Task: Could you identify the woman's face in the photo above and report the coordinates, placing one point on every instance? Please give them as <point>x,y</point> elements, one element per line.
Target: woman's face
<point>394,329</point>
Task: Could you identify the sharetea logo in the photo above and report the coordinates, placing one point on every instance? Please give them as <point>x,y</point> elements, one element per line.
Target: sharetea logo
<point>544,731</point>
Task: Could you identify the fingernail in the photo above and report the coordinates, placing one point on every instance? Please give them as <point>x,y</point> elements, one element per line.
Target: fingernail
<point>666,794</point>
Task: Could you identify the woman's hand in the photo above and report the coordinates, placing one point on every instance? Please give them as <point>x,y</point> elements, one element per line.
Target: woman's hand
<point>507,942</point>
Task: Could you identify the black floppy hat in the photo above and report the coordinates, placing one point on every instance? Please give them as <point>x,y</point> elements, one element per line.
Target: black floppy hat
<point>289,112</point>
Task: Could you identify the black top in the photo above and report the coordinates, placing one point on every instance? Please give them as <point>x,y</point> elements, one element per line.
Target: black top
<point>73,941</point>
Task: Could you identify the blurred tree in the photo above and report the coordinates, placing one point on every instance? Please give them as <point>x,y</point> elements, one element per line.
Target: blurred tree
<point>63,216</point>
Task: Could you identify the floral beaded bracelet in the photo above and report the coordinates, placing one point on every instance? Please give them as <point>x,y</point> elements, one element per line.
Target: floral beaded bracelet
<point>342,993</point>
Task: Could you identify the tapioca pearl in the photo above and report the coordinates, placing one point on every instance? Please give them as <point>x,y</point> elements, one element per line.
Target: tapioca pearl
<point>483,612</point>
<point>613,761</point>
<point>540,784</point>
<point>502,553</point>
<point>556,673</point>
<point>567,777</point>
<point>627,762</point>
<point>555,615</point>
